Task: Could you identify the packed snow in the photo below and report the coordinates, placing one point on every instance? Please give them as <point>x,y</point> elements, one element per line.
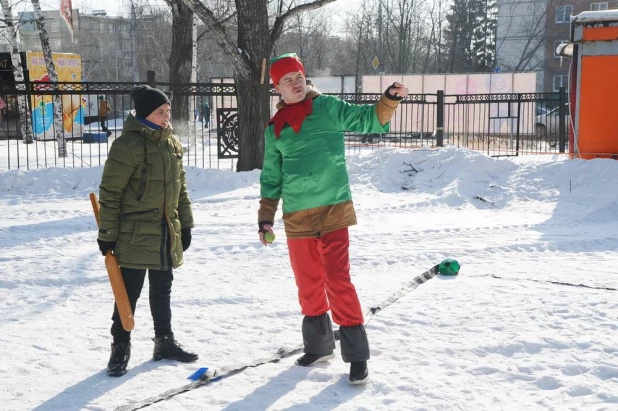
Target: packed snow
<point>530,322</point>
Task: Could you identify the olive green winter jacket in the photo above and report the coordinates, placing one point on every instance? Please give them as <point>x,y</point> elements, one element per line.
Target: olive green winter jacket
<point>143,186</point>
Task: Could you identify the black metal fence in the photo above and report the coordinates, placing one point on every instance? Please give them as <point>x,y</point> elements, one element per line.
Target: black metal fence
<point>496,124</point>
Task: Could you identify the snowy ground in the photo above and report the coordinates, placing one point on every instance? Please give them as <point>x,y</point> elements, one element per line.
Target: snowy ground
<point>529,323</point>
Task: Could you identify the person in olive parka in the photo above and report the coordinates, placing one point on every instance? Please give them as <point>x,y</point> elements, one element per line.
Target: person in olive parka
<point>305,167</point>
<point>146,219</point>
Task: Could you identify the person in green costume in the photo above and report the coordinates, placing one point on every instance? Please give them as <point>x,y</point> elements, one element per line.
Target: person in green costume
<point>305,167</point>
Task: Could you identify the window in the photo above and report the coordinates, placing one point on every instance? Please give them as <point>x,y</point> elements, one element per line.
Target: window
<point>563,14</point>
<point>111,29</point>
<point>598,6</point>
<point>561,81</point>
<point>556,44</point>
<point>126,46</point>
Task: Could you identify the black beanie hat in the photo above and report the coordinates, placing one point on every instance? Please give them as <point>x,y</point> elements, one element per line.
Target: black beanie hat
<point>147,100</point>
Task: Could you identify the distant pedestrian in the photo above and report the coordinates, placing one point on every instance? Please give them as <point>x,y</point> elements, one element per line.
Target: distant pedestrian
<point>104,111</point>
<point>206,114</point>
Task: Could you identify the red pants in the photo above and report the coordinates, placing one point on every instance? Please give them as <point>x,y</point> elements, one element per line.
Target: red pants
<point>322,271</point>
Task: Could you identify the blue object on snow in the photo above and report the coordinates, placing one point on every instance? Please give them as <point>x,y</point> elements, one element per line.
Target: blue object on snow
<point>95,137</point>
<point>199,373</point>
<point>196,375</point>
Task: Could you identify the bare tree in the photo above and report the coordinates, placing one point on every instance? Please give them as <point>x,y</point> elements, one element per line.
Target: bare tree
<point>18,72</point>
<point>307,34</point>
<point>249,56</point>
<point>434,47</point>
<point>362,36</point>
<point>53,77</point>
<point>521,34</point>
<point>154,35</point>
<point>403,32</point>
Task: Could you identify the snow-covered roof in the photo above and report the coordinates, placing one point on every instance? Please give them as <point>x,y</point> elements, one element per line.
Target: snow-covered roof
<point>591,16</point>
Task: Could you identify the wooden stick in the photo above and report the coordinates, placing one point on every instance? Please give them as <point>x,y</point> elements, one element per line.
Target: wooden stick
<point>115,279</point>
<point>263,71</point>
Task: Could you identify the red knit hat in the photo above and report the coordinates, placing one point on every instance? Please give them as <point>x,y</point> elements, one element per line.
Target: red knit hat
<point>284,64</point>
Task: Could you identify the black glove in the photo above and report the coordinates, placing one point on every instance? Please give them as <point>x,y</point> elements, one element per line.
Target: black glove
<point>185,238</point>
<point>261,225</point>
<point>105,246</point>
<point>391,95</point>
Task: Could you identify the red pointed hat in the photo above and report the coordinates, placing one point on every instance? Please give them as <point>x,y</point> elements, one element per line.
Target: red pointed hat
<point>284,64</point>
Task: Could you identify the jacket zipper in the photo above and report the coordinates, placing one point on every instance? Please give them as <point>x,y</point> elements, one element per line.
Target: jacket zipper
<point>165,233</point>
<point>142,184</point>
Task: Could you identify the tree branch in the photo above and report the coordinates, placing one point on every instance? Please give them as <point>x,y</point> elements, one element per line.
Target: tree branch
<point>221,22</point>
<point>221,37</point>
<point>280,21</point>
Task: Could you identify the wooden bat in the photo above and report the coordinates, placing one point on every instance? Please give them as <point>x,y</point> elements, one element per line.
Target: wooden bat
<point>115,279</point>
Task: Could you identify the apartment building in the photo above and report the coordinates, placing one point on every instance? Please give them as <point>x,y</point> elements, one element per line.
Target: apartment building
<point>102,41</point>
<point>520,35</point>
<point>528,32</point>
<point>556,70</point>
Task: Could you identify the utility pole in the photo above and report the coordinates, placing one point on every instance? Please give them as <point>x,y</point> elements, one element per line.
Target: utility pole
<point>134,43</point>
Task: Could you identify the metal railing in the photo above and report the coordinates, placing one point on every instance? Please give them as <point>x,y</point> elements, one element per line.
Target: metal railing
<point>496,124</point>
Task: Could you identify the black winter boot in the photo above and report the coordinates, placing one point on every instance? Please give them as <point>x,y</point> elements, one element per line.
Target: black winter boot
<point>167,348</point>
<point>118,361</point>
<point>308,360</point>
<point>359,374</point>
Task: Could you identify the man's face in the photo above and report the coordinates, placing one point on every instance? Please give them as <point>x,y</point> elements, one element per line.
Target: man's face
<point>292,87</point>
<point>161,116</point>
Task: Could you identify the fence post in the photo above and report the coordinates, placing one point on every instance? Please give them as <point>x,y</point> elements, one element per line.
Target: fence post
<point>28,88</point>
<point>28,128</point>
<point>150,78</point>
<point>517,133</point>
<point>440,119</point>
<point>561,121</point>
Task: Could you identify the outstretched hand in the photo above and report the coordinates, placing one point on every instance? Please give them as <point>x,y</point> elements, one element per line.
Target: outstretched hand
<point>398,90</point>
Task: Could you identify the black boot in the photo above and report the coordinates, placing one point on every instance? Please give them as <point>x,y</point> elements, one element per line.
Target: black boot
<point>167,348</point>
<point>359,374</point>
<point>308,360</point>
<point>118,361</point>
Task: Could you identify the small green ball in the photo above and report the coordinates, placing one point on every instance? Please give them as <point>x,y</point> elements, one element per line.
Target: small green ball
<point>269,237</point>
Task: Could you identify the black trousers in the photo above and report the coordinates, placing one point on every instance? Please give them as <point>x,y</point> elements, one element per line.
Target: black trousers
<point>103,121</point>
<point>160,290</point>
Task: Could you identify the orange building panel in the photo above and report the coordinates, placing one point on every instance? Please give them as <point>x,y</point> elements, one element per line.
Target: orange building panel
<point>598,109</point>
<point>601,33</point>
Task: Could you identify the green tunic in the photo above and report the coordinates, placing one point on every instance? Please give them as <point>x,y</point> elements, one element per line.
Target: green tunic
<point>308,169</point>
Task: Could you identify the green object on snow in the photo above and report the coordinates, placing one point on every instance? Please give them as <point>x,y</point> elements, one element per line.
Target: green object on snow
<point>449,267</point>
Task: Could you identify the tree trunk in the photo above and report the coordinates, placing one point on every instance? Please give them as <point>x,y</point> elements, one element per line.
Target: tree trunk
<point>18,73</point>
<point>253,113</point>
<point>252,85</point>
<point>53,77</point>
<point>181,57</point>
<point>194,108</point>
